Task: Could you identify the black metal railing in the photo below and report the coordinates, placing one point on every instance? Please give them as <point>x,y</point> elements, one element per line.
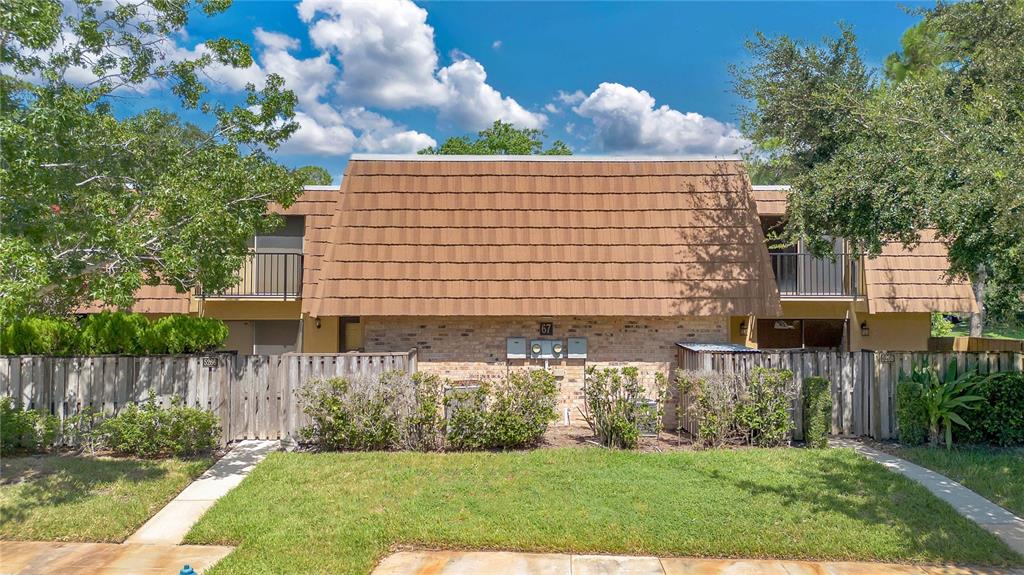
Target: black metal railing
<point>266,275</point>
<point>803,274</point>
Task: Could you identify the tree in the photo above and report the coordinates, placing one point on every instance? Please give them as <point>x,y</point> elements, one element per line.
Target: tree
<point>314,175</point>
<point>501,138</point>
<point>937,147</point>
<point>95,204</point>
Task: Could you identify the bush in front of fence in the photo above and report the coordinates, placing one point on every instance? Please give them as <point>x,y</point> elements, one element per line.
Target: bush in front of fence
<point>393,410</point>
<point>149,430</point>
<point>817,412</point>
<point>112,333</point>
<point>400,411</point>
<point>25,430</point>
<point>999,418</point>
<point>941,401</point>
<point>618,408</point>
<point>732,410</point>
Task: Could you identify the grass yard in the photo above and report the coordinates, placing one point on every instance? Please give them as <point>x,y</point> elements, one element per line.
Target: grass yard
<point>342,512</point>
<point>994,473</point>
<point>70,498</point>
<point>964,328</point>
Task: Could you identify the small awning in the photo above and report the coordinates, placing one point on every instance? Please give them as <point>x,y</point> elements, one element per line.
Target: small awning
<point>717,347</point>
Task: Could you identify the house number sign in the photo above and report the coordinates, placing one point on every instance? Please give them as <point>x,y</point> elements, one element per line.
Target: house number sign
<point>547,328</point>
<point>209,362</point>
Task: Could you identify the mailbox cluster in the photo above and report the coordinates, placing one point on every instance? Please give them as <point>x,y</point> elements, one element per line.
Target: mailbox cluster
<point>520,348</point>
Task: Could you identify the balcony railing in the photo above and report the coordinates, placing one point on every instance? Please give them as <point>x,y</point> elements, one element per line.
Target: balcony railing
<point>266,275</point>
<point>804,275</point>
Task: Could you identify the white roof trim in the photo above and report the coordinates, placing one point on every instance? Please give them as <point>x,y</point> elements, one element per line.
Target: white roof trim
<point>322,188</point>
<point>538,158</point>
<point>772,188</point>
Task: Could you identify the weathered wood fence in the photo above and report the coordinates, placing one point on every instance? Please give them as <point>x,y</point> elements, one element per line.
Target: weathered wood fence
<point>254,397</point>
<point>863,382</point>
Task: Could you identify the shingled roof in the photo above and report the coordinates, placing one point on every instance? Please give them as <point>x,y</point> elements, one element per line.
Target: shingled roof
<point>317,204</point>
<point>436,235</point>
<point>771,200</point>
<point>913,280</point>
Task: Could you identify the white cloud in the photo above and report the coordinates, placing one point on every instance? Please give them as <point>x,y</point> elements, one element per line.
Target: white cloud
<point>315,138</point>
<point>552,109</point>
<point>380,134</point>
<point>627,121</point>
<point>389,59</point>
<point>496,44</point>
<point>571,99</point>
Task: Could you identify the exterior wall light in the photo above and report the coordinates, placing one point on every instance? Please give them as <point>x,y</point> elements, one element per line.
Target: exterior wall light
<point>864,330</point>
<point>317,323</point>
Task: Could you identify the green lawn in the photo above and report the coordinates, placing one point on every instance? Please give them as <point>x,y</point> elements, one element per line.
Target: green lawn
<point>70,498</point>
<point>342,512</point>
<point>997,474</point>
<point>998,333</point>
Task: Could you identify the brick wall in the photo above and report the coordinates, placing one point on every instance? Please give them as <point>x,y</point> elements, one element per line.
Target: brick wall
<point>473,348</point>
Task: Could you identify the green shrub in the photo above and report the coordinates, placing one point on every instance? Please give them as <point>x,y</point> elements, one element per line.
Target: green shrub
<point>39,336</point>
<point>467,417</point>
<point>941,326</point>
<point>151,431</point>
<point>911,418</point>
<point>817,411</point>
<point>616,407</point>
<point>521,409</point>
<point>999,419</point>
<point>944,401</point>
<point>764,413</point>
<point>24,430</point>
<point>110,332</point>
<point>391,411</point>
<point>185,334</point>
<point>509,414</point>
<point>730,410</point>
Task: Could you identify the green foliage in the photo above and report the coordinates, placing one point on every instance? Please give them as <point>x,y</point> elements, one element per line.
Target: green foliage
<point>113,333</point>
<point>616,407</point>
<point>943,401</point>
<point>502,138</point>
<point>999,418</point>
<point>39,336</point>
<point>97,202</point>
<point>185,334</point>
<point>911,415</point>
<point>730,410</point>
<point>817,411</point>
<point>391,411</point>
<point>509,414</point>
<point>25,430</point>
<point>153,431</point>
<point>941,327</point>
<point>314,175</point>
<point>938,149</point>
<point>764,413</point>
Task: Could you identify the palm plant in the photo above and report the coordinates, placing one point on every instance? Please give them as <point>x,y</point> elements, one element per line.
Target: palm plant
<point>943,398</point>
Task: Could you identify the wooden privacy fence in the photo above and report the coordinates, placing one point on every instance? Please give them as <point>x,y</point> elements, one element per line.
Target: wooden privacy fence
<point>254,397</point>
<point>863,383</point>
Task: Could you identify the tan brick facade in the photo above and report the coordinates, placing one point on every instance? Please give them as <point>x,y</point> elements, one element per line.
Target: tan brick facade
<point>473,348</point>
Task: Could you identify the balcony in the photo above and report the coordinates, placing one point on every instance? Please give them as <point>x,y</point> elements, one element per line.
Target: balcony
<point>265,276</point>
<point>803,275</point>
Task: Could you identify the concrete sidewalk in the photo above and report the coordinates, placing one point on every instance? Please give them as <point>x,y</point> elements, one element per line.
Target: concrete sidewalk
<point>478,563</point>
<point>991,517</point>
<point>52,558</point>
<point>170,524</point>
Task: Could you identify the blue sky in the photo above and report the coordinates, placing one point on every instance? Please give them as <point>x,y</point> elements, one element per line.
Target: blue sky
<point>608,78</point>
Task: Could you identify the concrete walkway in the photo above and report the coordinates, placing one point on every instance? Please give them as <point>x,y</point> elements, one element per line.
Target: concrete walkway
<point>991,517</point>
<point>475,563</point>
<point>170,524</point>
<point>46,558</point>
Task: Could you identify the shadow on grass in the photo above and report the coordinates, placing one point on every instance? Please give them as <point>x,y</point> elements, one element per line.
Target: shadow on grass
<point>50,480</point>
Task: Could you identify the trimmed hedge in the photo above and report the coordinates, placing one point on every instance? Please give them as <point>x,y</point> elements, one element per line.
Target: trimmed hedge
<point>911,416</point>
<point>817,411</point>
<point>112,333</point>
<point>999,420</point>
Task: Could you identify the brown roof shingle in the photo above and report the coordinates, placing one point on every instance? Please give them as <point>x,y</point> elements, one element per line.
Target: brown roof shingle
<point>771,200</point>
<point>913,280</point>
<point>526,236</point>
<point>317,204</point>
